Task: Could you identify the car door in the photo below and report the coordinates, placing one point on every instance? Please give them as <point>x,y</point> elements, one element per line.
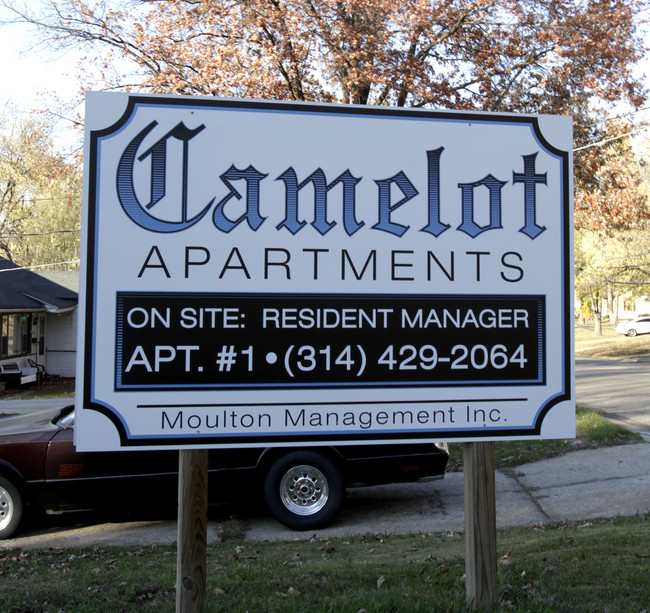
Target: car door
<point>643,325</point>
<point>109,479</point>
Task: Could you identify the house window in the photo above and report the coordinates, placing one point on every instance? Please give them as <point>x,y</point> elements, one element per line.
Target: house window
<point>15,338</point>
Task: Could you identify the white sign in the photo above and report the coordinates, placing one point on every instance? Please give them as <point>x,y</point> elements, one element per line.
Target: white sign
<point>263,273</point>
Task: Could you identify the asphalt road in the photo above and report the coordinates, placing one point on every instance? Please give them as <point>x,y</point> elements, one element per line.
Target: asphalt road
<point>583,485</point>
<point>618,389</point>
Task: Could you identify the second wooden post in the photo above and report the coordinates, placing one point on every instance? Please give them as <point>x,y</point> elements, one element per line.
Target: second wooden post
<point>480,524</point>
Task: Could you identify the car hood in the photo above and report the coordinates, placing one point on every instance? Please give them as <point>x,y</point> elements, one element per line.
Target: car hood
<point>29,423</point>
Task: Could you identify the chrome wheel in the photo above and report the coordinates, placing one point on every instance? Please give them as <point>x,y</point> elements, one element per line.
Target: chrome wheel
<point>11,508</point>
<point>6,509</point>
<point>304,490</point>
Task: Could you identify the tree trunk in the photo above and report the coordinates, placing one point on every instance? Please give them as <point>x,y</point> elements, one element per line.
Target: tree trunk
<point>598,320</point>
<point>612,297</point>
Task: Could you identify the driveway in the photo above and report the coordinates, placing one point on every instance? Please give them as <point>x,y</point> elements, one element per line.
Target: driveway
<point>582,485</point>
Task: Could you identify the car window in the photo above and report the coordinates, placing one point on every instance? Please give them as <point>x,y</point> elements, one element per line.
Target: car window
<point>65,419</point>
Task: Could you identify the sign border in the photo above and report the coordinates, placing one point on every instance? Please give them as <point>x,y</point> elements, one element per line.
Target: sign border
<point>89,320</point>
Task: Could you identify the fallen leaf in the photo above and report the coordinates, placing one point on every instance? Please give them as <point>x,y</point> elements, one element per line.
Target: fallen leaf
<point>507,559</point>
<point>381,581</point>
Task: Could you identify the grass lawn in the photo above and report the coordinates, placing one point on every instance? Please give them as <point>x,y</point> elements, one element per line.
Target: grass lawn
<point>586,567</point>
<point>592,430</point>
<point>610,344</point>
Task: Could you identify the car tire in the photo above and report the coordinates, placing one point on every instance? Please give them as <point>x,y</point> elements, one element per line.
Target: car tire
<point>303,490</point>
<point>631,332</point>
<point>11,508</point>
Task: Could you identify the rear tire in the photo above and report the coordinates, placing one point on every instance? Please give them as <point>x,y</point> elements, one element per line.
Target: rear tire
<point>303,490</point>
<point>11,508</point>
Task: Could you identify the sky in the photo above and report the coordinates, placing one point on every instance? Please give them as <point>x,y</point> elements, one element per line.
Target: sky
<point>27,72</point>
<point>29,75</point>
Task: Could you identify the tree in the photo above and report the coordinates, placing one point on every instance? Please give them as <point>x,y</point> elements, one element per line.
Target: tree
<point>609,184</point>
<point>549,56</point>
<point>612,218</point>
<point>40,196</point>
<point>540,56</point>
<point>610,266</point>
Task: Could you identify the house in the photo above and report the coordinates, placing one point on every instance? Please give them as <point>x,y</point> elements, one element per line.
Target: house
<point>38,322</point>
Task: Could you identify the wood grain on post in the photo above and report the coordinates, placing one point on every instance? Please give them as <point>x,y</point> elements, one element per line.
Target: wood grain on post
<point>192,530</point>
<point>480,524</point>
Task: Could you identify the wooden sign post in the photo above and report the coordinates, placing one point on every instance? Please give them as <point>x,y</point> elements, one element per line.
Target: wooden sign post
<point>480,524</point>
<point>192,530</point>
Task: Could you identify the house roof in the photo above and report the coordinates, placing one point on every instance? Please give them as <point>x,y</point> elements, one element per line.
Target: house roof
<point>23,290</point>
<point>67,278</point>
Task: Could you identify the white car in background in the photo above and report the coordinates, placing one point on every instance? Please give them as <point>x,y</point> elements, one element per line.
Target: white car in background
<point>638,325</point>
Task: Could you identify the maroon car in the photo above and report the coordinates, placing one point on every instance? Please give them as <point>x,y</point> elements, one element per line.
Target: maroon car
<point>303,488</point>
